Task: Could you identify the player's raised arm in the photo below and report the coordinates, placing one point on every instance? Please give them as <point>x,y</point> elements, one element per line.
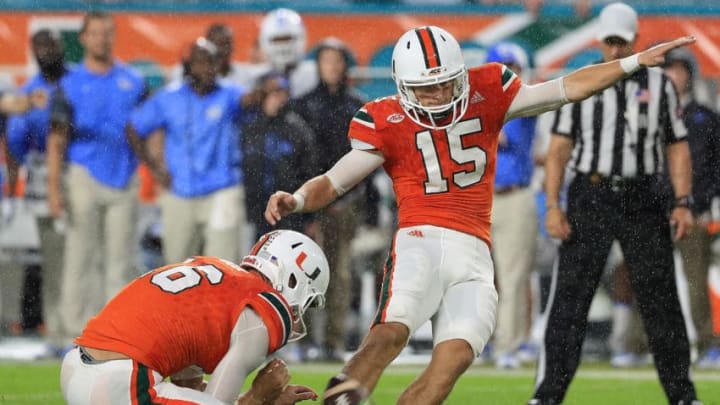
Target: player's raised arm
<point>584,82</point>
<point>587,81</point>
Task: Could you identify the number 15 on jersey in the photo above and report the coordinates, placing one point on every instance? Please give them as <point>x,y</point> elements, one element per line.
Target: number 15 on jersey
<point>437,165</point>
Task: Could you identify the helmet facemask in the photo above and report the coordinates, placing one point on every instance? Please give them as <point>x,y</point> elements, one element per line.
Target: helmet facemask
<point>312,300</point>
<point>421,114</point>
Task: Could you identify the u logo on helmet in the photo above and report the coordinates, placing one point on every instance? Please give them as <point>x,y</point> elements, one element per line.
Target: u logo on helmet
<point>299,261</point>
<point>314,275</point>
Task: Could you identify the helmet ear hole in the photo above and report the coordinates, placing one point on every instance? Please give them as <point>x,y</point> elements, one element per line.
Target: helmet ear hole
<point>292,282</point>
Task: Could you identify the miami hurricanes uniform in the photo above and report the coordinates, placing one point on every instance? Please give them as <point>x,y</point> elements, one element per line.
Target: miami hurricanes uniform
<point>171,318</point>
<point>440,266</point>
<point>207,294</point>
<point>444,177</point>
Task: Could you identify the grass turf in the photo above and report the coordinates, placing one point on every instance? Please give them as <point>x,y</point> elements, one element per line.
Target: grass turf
<point>38,383</point>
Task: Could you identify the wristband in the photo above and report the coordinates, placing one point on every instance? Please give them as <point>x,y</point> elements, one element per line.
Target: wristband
<point>299,201</point>
<point>630,64</point>
<point>685,201</point>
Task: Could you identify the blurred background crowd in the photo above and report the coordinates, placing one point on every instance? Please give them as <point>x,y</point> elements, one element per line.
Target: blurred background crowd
<point>206,108</point>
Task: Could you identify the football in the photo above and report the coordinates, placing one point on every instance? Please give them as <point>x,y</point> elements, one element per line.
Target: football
<point>342,390</point>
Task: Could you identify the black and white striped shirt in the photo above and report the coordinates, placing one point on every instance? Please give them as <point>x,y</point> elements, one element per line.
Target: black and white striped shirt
<point>623,130</point>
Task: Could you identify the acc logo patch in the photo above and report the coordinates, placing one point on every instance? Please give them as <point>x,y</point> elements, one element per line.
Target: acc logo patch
<point>396,118</point>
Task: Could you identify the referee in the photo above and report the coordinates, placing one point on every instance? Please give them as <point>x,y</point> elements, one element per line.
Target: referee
<point>616,143</point>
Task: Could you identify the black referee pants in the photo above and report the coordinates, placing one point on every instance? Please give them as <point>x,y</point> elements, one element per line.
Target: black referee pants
<point>634,213</point>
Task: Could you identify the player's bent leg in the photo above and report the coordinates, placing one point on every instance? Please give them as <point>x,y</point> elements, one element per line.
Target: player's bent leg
<point>85,381</point>
<point>461,328</point>
<point>449,361</point>
<point>362,372</point>
<point>167,393</point>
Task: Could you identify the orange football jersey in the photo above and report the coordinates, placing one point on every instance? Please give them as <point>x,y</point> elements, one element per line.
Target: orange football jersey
<point>183,314</point>
<point>443,177</point>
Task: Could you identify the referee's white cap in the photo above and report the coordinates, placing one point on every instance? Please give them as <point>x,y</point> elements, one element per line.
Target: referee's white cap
<point>617,20</point>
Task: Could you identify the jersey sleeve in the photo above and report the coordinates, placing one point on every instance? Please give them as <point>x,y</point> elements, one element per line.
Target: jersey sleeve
<point>278,318</point>
<point>148,116</point>
<point>511,84</point>
<point>362,128</point>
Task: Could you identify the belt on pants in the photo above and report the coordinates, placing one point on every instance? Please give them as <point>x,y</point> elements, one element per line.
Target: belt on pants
<point>616,182</point>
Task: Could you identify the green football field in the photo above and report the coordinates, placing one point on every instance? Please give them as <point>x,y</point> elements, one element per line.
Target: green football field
<point>37,383</point>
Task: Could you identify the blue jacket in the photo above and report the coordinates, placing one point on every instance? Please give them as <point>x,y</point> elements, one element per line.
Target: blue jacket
<point>202,136</point>
<point>97,107</point>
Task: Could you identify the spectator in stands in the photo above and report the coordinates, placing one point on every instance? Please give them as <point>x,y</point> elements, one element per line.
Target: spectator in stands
<point>328,110</point>
<point>200,166</point>
<point>703,127</point>
<point>89,113</point>
<point>514,222</point>
<point>279,150</point>
<point>26,145</point>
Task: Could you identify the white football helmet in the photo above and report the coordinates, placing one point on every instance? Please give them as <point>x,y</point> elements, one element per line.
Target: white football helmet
<point>282,38</point>
<point>297,269</point>
<point>425,56</point>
